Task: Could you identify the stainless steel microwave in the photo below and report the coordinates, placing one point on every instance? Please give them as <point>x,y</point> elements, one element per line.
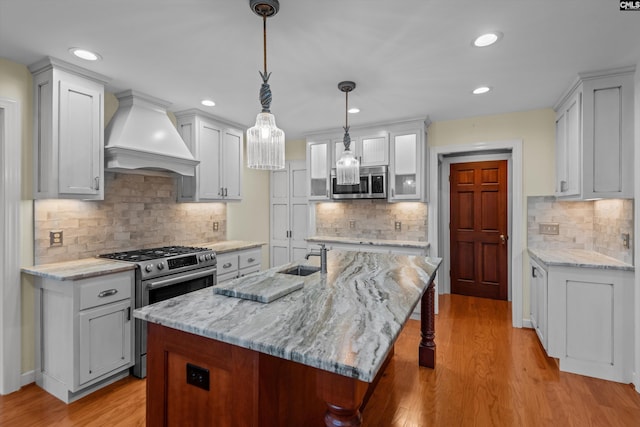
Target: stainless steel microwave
<point>373,185</point>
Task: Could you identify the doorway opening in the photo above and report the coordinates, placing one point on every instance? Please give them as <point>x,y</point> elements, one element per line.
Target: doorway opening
<point>441,157</point>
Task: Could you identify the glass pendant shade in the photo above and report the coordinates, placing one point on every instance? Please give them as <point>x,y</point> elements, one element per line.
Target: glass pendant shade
<point>265,144</point>
<point>348,169</point>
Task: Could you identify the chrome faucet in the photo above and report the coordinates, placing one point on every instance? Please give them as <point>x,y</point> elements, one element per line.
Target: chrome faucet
<point>322,253</point>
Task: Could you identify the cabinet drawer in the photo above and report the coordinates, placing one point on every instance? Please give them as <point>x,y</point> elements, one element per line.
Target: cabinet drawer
<point>249,270</point>
<point>250,258</point>
<point>227,276</point>
<point>227,263</point>
<point>105,289</point>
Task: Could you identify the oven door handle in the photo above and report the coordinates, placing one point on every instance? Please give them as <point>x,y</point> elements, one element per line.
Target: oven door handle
<point>181,278</point>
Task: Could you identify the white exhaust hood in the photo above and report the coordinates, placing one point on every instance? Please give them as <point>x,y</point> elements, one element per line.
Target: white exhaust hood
<point>141,139</point>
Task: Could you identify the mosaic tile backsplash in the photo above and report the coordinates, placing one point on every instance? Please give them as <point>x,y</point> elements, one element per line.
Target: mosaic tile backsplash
<point>372,219</point>
<point>592,225</point>
<point>137,212</point>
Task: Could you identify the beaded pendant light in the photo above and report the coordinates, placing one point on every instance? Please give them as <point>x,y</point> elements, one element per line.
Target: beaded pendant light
<point>348,166</point>
<point>265,141</point>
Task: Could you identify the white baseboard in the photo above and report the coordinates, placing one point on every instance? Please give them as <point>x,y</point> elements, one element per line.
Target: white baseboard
<point>636,381</point>
<point>526,323</point>
<point>27,378</point>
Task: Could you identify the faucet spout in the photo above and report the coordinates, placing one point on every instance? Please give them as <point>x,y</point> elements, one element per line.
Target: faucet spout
<point>322,253</point>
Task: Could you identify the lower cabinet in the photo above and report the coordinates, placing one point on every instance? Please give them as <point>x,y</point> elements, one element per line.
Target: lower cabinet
<point>589,319</point>
<point>84,333</point>
<point>234,264</point>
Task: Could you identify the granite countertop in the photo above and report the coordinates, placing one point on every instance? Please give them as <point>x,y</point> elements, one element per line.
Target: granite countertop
<point>366,241</point>
<point>229,245</point>
<point>78,269</point>
<point>345,321</point>
<point>577,258</point>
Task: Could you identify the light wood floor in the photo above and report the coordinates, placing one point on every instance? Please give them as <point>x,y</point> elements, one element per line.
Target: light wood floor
<point>487,374</point>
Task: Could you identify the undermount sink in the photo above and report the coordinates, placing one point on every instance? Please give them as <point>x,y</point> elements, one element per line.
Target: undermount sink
<point>300,270</point>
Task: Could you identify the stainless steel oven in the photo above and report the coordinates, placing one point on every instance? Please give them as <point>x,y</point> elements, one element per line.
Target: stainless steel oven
<point>164,273</point>
<point>372,185</point>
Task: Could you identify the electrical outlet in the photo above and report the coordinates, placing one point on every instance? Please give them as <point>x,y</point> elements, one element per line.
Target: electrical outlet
<point>352,223</point>
<point>549,228</point>
<point>625,240</point>
<point>398,226</point>
<point>55,238</point>
<point>216,226</point>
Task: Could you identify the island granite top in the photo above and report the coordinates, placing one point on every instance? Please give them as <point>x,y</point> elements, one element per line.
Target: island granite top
<point>345,321</point>
<point>577,258</point>
<point>229,245</point>
<point>367,241</point>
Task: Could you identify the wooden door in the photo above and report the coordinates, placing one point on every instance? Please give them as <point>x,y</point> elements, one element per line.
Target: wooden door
<point>478,195</point>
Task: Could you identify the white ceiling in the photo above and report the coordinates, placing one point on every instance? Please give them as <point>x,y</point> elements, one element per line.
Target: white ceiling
<point>409,58</point>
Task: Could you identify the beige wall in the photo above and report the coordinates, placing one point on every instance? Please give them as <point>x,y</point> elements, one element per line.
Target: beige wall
<point>16,84</point>
<point>537,131</point>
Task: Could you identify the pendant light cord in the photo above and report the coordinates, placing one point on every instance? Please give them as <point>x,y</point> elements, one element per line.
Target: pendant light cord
<point>265,90</point>
<point>264,40</point>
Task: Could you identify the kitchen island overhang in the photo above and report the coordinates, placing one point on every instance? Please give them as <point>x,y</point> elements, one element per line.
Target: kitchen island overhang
<point>340,327</point>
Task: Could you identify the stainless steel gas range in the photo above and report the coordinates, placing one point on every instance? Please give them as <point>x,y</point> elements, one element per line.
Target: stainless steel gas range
<point>164,273</point>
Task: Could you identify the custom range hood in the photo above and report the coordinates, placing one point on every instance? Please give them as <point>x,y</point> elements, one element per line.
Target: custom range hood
<point>141,139</point>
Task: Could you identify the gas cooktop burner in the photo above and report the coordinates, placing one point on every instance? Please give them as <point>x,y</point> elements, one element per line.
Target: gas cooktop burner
<point>153,253</point>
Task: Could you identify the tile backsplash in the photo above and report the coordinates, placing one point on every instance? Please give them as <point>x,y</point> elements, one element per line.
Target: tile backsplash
<point>372,219</point>
<point>592,225</point>
<point>137,212</point>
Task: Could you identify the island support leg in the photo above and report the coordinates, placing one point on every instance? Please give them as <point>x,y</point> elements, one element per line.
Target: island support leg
<point>343,396</point>
<point>427,349</point>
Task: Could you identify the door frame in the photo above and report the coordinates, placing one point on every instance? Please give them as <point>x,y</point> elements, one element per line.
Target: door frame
<point>10,286</point>
<point>437,221</point>
<point>445,237</point>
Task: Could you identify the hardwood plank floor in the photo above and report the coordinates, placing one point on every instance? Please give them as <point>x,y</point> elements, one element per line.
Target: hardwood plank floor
<point>488,374</point>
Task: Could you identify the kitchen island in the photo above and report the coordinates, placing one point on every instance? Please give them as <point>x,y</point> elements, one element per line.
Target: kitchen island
<point>307,358</point>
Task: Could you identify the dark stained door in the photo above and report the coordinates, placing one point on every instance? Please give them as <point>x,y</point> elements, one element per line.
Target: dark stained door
<point>478,195</point>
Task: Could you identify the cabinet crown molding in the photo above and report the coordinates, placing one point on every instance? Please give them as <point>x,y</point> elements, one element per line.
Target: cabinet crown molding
<point>49,63</point>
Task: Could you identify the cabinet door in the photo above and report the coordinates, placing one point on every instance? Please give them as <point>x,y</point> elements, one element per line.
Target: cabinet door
<point>80,141</point>
<point>231,165</point>
<point>105,339</point>
<point>574,135</point>
<point>298,211</point>
<point>318,167</point>
<point>538,302</point>
<point>208,171</point>
<point>405,172</point>
<point>279,239</point>
<point>374,150</point>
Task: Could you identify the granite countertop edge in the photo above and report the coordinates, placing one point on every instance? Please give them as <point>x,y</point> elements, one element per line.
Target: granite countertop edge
<point>372,242</point>
<point>577,258</point>
<point>225,246</point>
<point>78,269</point>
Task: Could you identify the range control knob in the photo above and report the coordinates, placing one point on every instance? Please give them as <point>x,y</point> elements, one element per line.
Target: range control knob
<point>160,266</point>
<point>208,257</point>
<point>202,258</point>
<point>148,268</point>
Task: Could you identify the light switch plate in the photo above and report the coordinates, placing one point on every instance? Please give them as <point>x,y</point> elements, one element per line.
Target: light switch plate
<point>549,228</point>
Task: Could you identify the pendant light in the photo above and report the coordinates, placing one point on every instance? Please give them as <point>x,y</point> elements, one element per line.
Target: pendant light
<point>265,142</point>
<point>348,166</point>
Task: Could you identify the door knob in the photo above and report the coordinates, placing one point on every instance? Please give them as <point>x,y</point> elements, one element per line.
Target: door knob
<point>503,239</point>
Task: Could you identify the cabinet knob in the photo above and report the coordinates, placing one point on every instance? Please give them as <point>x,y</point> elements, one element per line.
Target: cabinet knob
<point>227,265</point>
<point>107,293</point>
<point>96,180</point>
<point>251,260</point>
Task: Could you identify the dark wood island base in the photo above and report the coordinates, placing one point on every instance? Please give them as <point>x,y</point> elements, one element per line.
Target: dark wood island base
<point>427,348</point>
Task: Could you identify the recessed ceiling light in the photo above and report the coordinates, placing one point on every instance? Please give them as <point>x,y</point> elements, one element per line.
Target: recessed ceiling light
<point>87,55</point>
<point>208,103</point>
<point>487,39</point>
<point>480,90</point>
<point>354,110</point>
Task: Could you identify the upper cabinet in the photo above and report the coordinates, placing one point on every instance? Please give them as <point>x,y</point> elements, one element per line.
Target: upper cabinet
<point>371,150</point>
<point>218,146</point>
<point>400,145</point>
<point>594,136</point>
<point>68,131</point>
<point>318,167</point>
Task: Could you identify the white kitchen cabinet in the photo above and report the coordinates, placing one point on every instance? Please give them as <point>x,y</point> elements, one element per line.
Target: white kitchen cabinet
<point>407,169</point>
<point>84,333</point>
<point>594,136</point>
<point>218,146</point>
<point>538,300</point>
<point>289,213</point>
<point>401,145</point>
<point>68,131</point>
<point>371,150</point>
<point>234,264</point>
<point>319,168</point>
<point>589,318</point>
